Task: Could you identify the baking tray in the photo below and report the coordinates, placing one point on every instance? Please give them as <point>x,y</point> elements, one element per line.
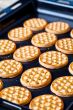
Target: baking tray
<point>33,9</point>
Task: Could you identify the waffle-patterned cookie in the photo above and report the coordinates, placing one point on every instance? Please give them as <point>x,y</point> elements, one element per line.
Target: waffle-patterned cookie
<point>1,85</point>
<point>44,39</point>
<point>35,24</point>
<point>26,53</point>
<point>57,27</point>
<point>20,34</point>
<point>53,59</point>
<point>71,68</point>
<point>46,102</point>
<point>65,45</point>
<point>63,86</point>
<point>16,94</point>
<point>10,68</point>
<point>7,47</point>
<point>35,78</point>
<point>71,33</point>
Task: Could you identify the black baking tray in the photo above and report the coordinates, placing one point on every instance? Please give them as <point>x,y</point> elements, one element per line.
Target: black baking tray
<point>43,10</point>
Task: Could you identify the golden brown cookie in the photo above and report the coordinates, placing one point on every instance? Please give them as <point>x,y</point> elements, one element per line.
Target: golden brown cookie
<point>36,78</point>
<point>71,33</point>
<point>44,39</point>
<point>65,45</point>
<point>7,47</point>
<point>1,84</point>
<point>63,86</point>
<point>10,68</point>
<point>71,68</point>
<point>16,94</point>
<point>46,102</point>
<point>57,27</point>
<point>35,24</point>
<point>26,53</point>
<point>53,59</point>
<point>20,34</point>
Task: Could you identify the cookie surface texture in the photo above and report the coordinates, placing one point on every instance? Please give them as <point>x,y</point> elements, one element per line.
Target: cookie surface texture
<point>35,24</point>
<point>57,27</point>
<point>26,53</point>
<point>53,59</point>
<point>65,45</point>
<point>46,102</point>
<point>44,39</point>
<point>10,68</point>
<point>16,94</point>
<point>63,86</point>
<point>20,34</point>
<point>7,47</point>
<point>36,78</point>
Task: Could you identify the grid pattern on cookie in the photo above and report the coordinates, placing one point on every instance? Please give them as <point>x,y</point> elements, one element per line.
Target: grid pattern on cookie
<point>63,85</point>
<point>6,46</point>
<point>36,76</point>
<point>20,32</point>
<point>15,94</point>
<point>66,44</point>
<point>10,67</point>
<point>46,102</point>
<point>27,52</point>
<point>35,22</point>
<point>44,38</point>
<point>53,58</point>
<point>57,26</point>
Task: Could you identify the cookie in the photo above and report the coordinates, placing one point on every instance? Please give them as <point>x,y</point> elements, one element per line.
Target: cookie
<point>35,24</point>
<point>36,78</point>
<point>20,34</point>
<point>71,68</point>
<point>57,27</point>
<point>63,86</point>
<point>1,84</point>
<point>46,102</point>
<point>16,94</point>
<point>10,68</point>
<point>26,53</point>
<point>53,59</point>
<point>71,33</point>
<point>65,45</point>
<point>7,47</point>
<point>44,39</point>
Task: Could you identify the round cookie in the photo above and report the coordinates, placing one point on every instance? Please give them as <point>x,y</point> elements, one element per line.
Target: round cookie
<point>20,34</point>
<point>53,59</point>
<point>7,47</point>
<point>57,27</point>
<point>16,94</point>
<point>44,39</point>
<point>63,86</point>
<point>10,68</point>
<point>71,33</point>
<point>26,53</point>
<point>35,24</point>
<point>65,45</point>
<point>1,84</point>
<point>71,68</point>
<point>46,102</point>
<point>36,78</point>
